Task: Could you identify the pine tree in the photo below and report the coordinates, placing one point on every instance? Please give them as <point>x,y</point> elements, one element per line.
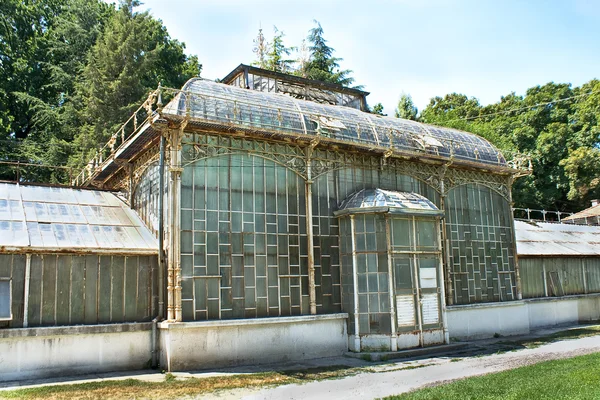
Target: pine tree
<point>406,108</point>
<point>323,66</point>
<point>378,110</point>
<point>133,55</point>
<point>43,47</point>
<point>276,58</point>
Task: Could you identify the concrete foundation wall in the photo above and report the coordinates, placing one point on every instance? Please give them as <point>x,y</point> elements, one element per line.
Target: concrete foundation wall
<point>210,344</point>
<point>549,312</point>
<point>45,352</point>
<point>477,321</point>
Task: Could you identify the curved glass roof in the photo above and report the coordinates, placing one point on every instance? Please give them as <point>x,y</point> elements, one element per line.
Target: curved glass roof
<point>64,219</point>
<point>215,104</point>
<point>379,200</point>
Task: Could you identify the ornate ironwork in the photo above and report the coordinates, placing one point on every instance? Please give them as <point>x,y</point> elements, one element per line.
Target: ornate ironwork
<point>498,183</point>
<point>441,177</point>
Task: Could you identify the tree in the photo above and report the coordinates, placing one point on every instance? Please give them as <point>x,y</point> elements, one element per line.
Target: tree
<point>322,65</point>
<point>582,168</point>
<point>377,109</point>
<point>132,56</point>
<point>276,57</point>
<point>556,124</point>
<point>43,46</point>
<point>406,108</point>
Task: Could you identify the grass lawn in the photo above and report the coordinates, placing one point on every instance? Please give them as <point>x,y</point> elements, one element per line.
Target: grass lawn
<point>573,378</point>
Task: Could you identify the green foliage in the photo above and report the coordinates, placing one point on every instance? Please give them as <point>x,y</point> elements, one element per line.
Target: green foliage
<point>561,137</point>
<point>582,168</point>
<point>43,46</point>
<point>406,109</point>
<point>276,57</point>
<point>49,89</point>
<point>322,65</point>
<point>134,54</point>
<point>377,109</point>
<point>315,59</point>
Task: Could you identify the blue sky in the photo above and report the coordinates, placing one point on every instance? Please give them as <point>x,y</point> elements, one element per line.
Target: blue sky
<point>426,48</point>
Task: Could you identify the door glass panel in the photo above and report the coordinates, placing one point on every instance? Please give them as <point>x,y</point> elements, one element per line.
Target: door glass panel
<point>402,234</point>
<point>426,235</point>
<point>428,278</point>
<point>403,273</point>
<point>428,272</point>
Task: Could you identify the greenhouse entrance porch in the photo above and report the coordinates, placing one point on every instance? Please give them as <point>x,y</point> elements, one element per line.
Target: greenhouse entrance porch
<point>392,286</point>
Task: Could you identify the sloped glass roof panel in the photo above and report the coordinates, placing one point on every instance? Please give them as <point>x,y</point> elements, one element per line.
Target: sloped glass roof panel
<point>379,200</point>
<point>553,239</point>
<point>9,192</point>
<point>35,238</point>
<point>13,233</point>
<point>224,105</point>
<point>48,236</point>
<point>42,217</point>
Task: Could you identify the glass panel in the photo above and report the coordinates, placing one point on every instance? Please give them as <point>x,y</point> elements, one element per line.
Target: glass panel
<point>245,233</point>
<point>426,234</point>
<point>5,301</point>
<point>402,233</point>
<point>403,272</point>
<point>478,226</point>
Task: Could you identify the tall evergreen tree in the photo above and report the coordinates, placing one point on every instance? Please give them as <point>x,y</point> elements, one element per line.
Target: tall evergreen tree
<point>406,109</point>
<point>322,65</point>
<point>132,56</point>
<point>276,59</point>
<point>43,46</point>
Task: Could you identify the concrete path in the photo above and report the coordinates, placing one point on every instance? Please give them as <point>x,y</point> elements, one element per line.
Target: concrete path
<point>396,378</point>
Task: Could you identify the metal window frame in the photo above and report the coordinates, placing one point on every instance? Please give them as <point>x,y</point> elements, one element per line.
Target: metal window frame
<point>10,318</point>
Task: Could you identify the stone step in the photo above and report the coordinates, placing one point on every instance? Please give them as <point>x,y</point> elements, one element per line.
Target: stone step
<point>416,352</point>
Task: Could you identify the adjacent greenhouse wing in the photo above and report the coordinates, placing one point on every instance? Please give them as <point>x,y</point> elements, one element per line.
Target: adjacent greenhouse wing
<point>54,218</point>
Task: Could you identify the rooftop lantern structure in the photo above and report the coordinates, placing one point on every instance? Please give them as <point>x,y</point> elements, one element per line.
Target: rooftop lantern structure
<point>248,77</point>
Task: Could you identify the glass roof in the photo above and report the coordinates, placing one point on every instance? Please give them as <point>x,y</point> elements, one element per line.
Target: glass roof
<point>56,218</point>
<point>552,239</point>
<point>211,104</point>
<point>379,200</point>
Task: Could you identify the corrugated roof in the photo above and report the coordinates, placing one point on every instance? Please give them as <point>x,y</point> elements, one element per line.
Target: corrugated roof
<point>552,239</point>
<point>66,219</point>
<point>592,213</point>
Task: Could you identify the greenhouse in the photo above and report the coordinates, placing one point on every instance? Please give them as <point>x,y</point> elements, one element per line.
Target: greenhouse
<point>260,186</point>
<point>270,218</point>
<point>73,256</point>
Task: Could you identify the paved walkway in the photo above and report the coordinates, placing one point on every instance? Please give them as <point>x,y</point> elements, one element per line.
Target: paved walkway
<point>392,379</point>
<point>381,379</point>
